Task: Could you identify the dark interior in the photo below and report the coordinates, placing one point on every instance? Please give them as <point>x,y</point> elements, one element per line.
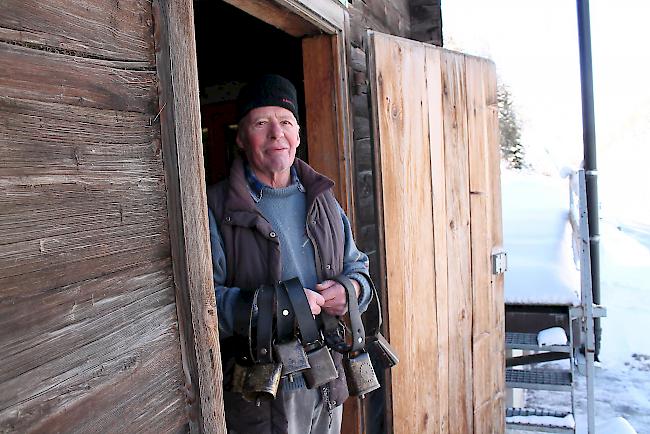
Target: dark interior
<point>233,48</point>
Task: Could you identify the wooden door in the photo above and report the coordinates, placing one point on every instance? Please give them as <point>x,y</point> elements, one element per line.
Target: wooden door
<point>437,166</point>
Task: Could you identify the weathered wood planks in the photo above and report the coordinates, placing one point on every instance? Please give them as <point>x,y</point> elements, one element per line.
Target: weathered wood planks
<point>74,169</point>
<point>40,138</point>
<point>494,210</point>
<point>435,130</point>
<point>119,30</point>
<point>90,339</point>
<point>29,73</point>
<point>404,166</point>
<point>186,197</point>
<point>89,343</point>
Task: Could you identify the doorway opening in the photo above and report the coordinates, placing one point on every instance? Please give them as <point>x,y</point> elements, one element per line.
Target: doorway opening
<point>233,47</point>
<point>235,44</point>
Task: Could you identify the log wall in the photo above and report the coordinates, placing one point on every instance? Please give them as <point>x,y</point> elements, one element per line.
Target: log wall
<point>90,339</point>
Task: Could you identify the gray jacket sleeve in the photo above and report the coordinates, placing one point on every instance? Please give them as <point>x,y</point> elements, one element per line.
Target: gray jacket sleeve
<point>226,296</point>
<point>356,264</point>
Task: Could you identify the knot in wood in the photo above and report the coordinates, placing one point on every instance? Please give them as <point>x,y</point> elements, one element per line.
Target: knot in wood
<point>395,110</point>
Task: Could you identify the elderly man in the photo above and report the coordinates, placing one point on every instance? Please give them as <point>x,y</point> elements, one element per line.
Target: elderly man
<point>274,219</point>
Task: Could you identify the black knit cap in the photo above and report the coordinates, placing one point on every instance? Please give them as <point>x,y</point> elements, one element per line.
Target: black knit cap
<point>268,90</point>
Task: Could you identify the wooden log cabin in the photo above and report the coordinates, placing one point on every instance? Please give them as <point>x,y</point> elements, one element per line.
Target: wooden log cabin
<point>115,114</point>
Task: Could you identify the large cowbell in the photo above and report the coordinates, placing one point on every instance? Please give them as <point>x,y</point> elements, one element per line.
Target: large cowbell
<point>239,373</point>
<point>382,352</point>
<point>360,374</point>
<point>262,381</point>
<point>322,369</point>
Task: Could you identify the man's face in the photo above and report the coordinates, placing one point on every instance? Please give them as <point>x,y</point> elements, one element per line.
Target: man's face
<point>269,136</point>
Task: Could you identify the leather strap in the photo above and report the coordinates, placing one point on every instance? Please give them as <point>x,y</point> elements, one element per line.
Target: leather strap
<point>358,332</point>
<point>306,323</point>
<point>265,306</point>
<point>372,315</point>
<point>285,317</point>
<point>334,332</point>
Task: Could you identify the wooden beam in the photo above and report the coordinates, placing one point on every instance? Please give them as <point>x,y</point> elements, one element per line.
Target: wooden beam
<point>189,234</point>
<point>272,13</point>
<point>381,278</point>
<point>327,132</point>
<point>327,15</point>
<point>297,17</point>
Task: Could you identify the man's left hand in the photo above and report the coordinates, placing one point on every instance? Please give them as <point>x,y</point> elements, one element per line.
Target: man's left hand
<point>334,294</point>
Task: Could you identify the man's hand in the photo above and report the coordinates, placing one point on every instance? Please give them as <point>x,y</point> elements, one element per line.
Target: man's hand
<point>315,301</point>
<point>334,295</point>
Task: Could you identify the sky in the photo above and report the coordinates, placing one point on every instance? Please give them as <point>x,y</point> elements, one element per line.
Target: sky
<point>535,48</point>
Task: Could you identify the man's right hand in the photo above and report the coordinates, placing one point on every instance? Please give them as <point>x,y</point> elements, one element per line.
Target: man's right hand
<point>315,300</point>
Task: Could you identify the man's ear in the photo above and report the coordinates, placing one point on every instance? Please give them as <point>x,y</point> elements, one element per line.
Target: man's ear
<point>240,143</point>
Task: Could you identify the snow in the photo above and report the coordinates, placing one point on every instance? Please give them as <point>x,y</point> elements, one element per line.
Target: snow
<point>537,238</point>
<point>617,425</point>
<point>552,336</point>
<point>560,422</point>
<point>622,376</point>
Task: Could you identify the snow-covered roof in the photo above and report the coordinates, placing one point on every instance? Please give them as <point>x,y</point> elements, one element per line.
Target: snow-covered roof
<point>537,238</point>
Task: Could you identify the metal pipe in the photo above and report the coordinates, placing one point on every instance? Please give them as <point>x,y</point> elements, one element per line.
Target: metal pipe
<point>589,142</point>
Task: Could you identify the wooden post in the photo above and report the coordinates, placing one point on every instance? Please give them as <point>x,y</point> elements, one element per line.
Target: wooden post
<point>187,205</point>
<point>326,115</point>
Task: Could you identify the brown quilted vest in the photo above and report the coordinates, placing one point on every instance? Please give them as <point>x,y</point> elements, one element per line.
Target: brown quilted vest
<point>253,251</point>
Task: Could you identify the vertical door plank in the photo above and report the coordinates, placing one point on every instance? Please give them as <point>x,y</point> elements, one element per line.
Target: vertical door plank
<point>484,383</point>
<point>494,210</point>
<point>408,227</point>
<point>438,190</point>
<point>458,243</point>
<point>479,190</point>
<point>488,335</point>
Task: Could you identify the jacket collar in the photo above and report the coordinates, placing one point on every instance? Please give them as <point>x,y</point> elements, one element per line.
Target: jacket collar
<point>257,187</point>
<point>240,198</point>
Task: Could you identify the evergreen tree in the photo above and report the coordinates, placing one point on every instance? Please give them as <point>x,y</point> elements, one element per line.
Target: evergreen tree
<point>512,150</point>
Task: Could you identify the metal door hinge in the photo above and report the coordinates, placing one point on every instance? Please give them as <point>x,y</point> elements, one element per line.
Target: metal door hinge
<point>499,262</point>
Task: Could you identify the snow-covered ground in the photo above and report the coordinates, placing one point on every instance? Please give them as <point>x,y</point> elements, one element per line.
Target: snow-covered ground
<point>622,379</point>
